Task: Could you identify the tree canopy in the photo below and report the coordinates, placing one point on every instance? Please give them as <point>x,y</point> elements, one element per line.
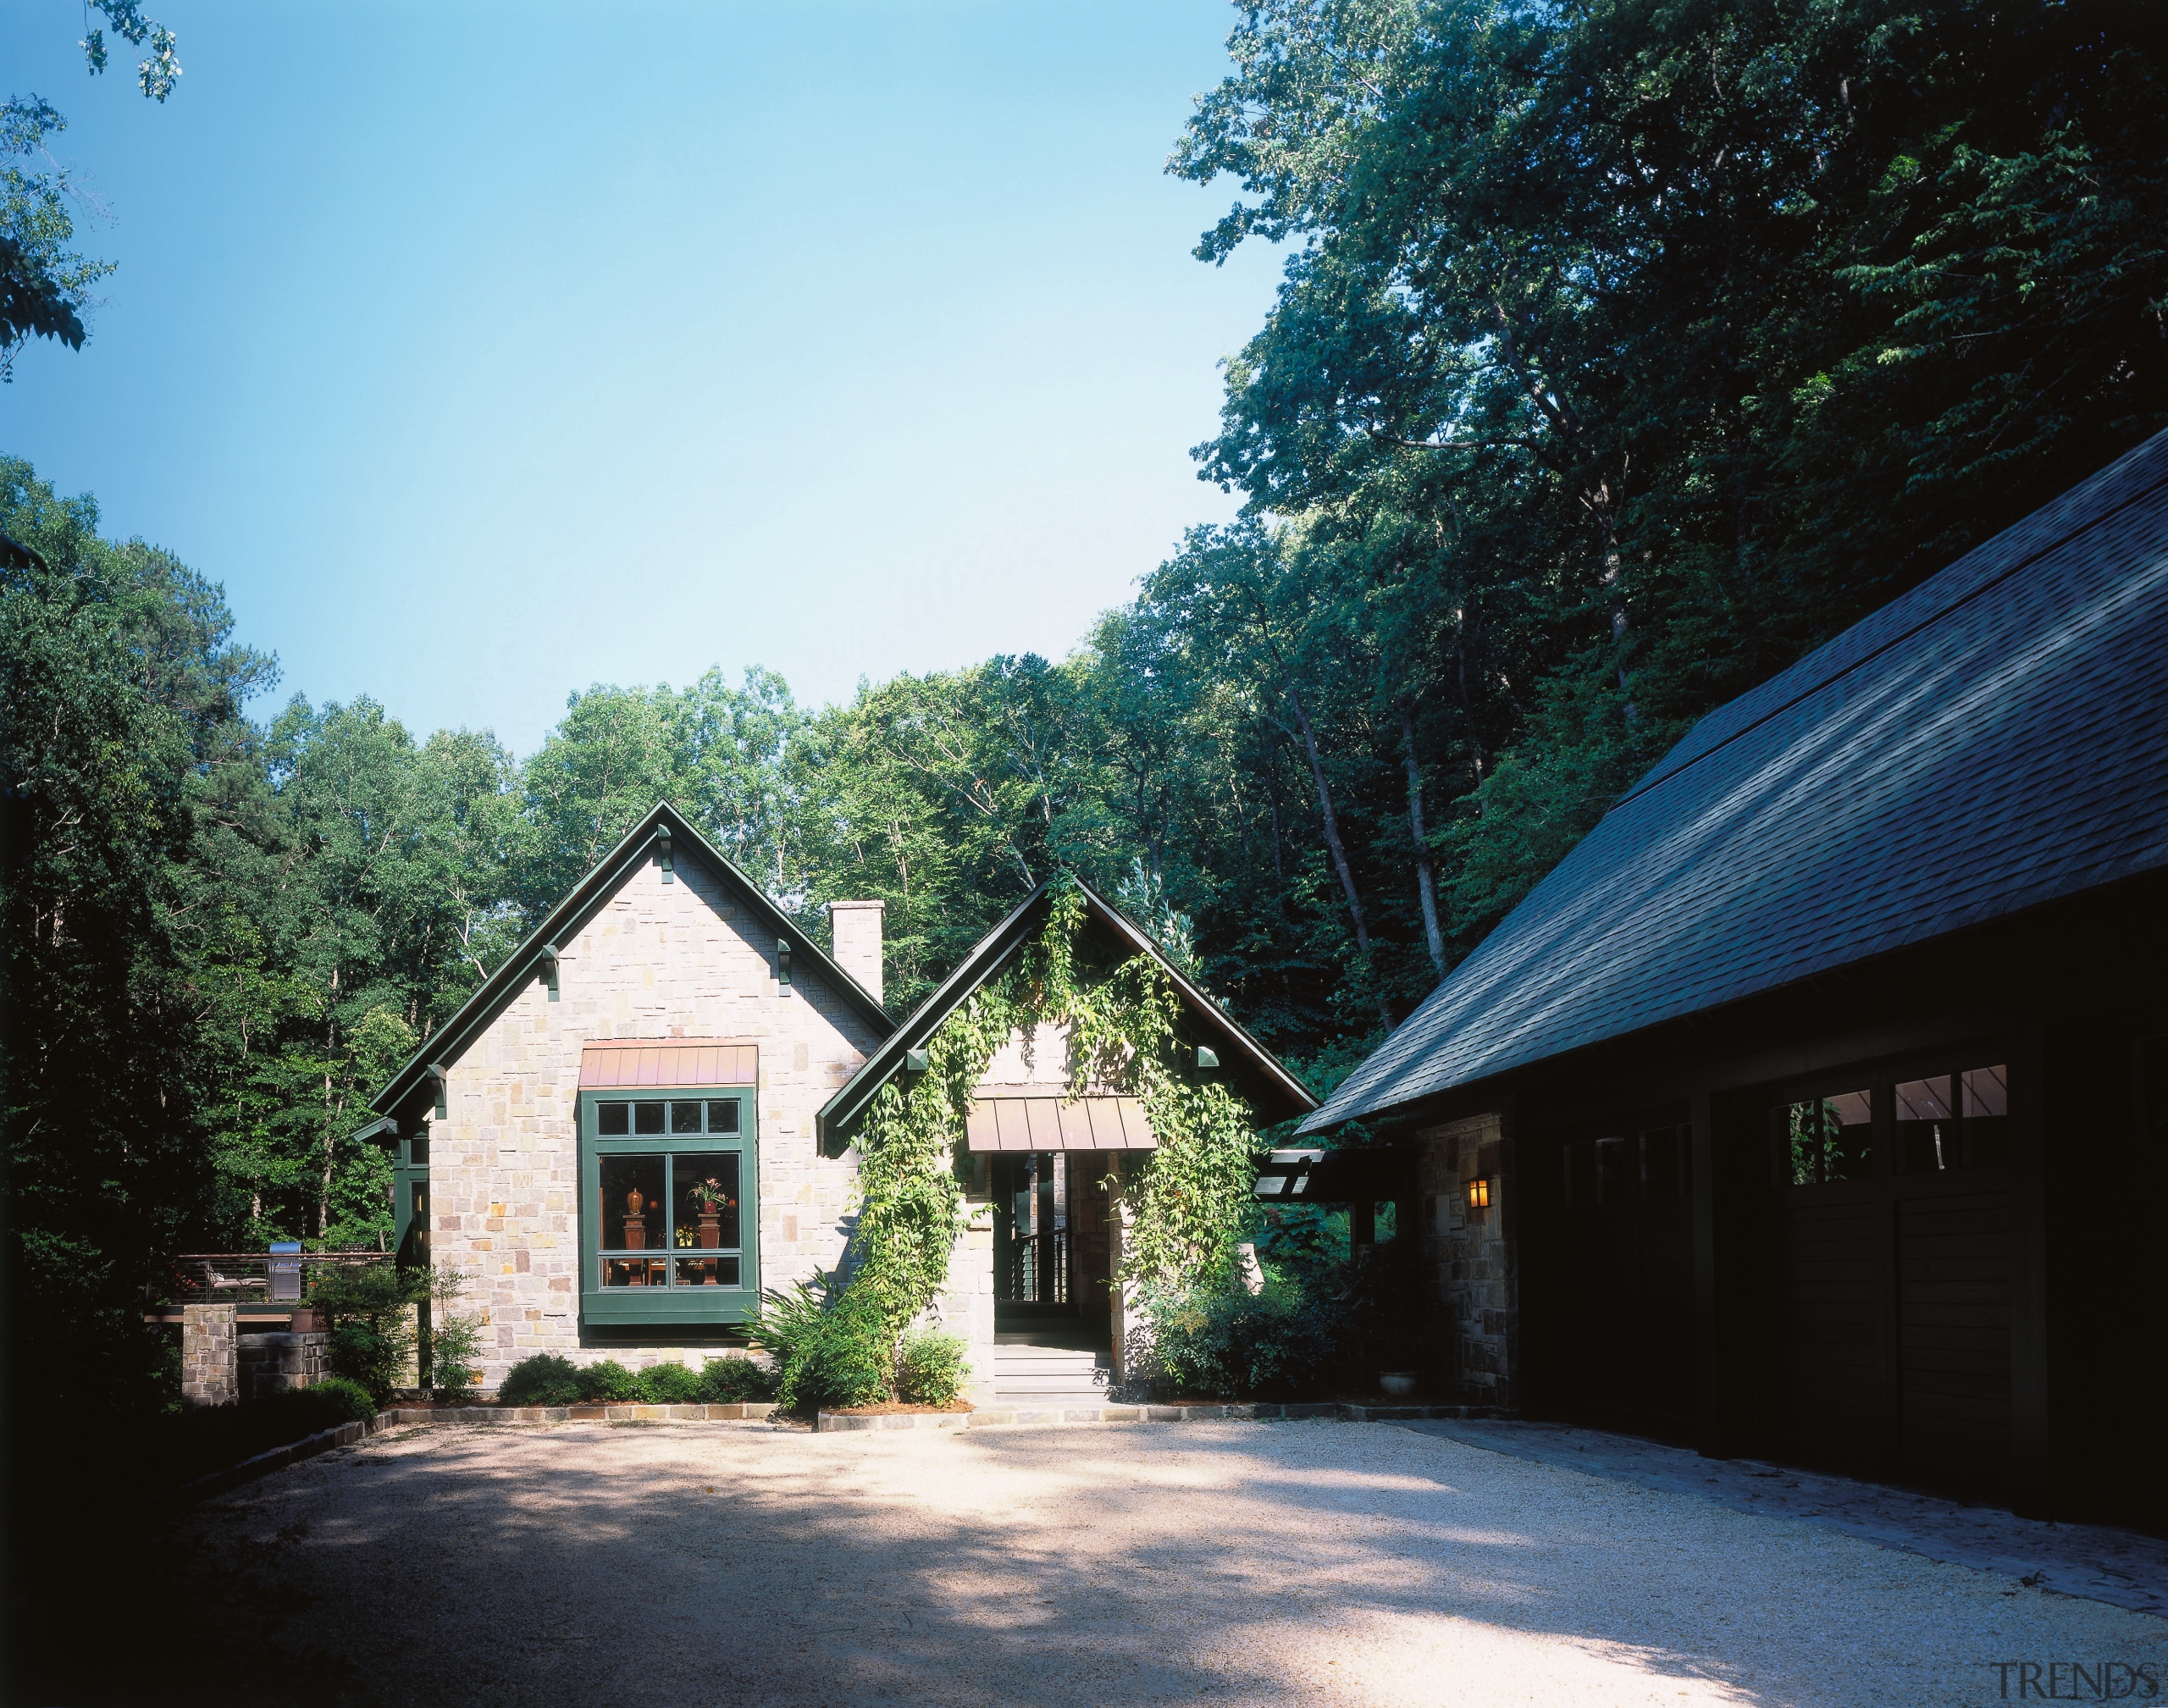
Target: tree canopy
<point>1626,349</point>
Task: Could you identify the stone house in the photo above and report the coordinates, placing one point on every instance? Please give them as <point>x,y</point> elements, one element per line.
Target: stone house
<point>642,1120</point>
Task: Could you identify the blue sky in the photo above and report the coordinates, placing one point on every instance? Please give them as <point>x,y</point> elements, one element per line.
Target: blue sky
<point>482,362</point>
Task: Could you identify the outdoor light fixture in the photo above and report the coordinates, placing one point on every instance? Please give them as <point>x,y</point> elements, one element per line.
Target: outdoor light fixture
<point>1479,1194</point>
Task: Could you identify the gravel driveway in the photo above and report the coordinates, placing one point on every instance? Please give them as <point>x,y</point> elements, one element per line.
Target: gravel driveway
<point>1265,1563</point>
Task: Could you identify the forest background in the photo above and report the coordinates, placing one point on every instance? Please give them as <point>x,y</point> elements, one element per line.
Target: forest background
<point>1625,352</point>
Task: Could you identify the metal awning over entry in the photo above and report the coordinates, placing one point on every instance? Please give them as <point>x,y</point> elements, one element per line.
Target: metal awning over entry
<point>1042,1118</point>
<point>637,1063</point>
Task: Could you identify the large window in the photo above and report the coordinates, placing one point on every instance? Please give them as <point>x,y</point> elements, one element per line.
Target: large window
<point>667,1205</point>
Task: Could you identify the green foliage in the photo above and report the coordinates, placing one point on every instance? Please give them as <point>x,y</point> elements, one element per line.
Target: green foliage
<point>669,1384</point>
<point>354,1403</point>
<point>371,1342</point>
<point>827,1354</point>
<point>543,1379</point>
<point>1216,1338</point>
<point>608,1380</point>
<point>931,1367</point>
<point>735,1381</point>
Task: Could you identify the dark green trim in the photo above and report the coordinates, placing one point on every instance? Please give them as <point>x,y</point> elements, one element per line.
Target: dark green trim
<point>1274,1093</point>
<point>670,1305</point>
<point>562,922</point>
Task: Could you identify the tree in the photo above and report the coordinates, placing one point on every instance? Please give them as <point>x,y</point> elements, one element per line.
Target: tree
<point>43,283</point>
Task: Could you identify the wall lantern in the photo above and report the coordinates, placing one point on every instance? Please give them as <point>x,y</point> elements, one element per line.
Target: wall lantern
<point>1479,1194</point>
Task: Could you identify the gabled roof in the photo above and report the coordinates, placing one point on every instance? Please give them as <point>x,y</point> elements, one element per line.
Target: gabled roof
<point>590,893</point>
<point>1994,739</point>
<point>1273,1093</point>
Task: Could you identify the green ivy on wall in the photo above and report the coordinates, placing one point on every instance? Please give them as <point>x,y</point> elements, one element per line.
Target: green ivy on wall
<point>1187,1201</point>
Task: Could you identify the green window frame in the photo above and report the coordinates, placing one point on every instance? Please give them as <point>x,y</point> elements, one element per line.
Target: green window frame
<point>670,1255</point>
<point>409,1196</point>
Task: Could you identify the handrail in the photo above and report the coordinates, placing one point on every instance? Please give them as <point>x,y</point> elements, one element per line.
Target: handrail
<point>240,1277</point>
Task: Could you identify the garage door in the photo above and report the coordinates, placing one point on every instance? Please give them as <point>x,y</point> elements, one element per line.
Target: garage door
<point>1892,1277</point>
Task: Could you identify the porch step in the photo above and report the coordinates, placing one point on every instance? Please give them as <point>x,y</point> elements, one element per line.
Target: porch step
<point>1048,1373</point>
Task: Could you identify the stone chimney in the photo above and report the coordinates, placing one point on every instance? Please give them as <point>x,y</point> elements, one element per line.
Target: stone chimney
<point>855,931</point>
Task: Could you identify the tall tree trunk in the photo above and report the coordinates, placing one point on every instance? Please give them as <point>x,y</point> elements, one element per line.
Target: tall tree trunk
<point>330,1118</point>
<point>1467,702</point>
<point>1333,844</point>
<point>1602,508</point>
<point>1425,885</point>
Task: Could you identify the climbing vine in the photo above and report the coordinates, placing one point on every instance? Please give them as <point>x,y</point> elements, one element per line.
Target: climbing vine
<point>1186,1201</point>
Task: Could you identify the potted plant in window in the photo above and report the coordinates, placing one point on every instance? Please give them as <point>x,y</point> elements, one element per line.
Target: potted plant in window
<point>710,1198</point>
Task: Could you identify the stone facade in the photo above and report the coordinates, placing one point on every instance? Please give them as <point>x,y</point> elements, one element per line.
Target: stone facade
<point>964,1306</point>
<point>1470,1261</point>
<point>683,958</point>
<point>271,1363</point>
<point>209,1366</point>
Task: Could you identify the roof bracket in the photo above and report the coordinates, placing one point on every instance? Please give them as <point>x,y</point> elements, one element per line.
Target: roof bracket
<point>913,1061</point>
<point>783,960</point>
<point>437,1079</point>
<point>546,963</point>
<point>663,851</point>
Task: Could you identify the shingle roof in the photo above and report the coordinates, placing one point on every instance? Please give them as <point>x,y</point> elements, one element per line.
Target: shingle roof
<point>1995,738</point>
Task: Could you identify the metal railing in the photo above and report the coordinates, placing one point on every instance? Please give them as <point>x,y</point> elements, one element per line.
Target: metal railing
<point>1036,1269</point>
<point>247,1278</point>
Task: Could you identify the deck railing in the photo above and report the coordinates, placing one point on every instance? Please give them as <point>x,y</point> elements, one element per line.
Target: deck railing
<point>1037,1269</point>
<point>247,1278</point>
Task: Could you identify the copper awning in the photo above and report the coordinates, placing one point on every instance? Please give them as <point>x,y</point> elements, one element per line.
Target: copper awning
<point>620,1063</point>
<point>1042,1118</point>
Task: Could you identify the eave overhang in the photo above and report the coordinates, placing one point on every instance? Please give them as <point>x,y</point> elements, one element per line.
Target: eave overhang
<point>1274,1094</point>
<point>662,825</point>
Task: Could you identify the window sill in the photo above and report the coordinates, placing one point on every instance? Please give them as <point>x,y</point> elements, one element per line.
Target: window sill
<point>671,1305</point>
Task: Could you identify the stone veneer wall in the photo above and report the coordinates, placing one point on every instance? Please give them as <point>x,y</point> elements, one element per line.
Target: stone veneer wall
<point>1471,1261</point>
<point>270,1363</point>
<point>657,960</point>
<point>964,1306</point>
<point>209,1366</point>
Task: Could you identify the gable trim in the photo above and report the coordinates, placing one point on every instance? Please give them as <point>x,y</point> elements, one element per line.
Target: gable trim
<point>602,881</point>
<point>842,1112</point>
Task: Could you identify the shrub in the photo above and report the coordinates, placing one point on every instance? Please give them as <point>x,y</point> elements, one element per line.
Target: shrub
<point>1218,1339</point>
<point>454,1343</point>
<point>669,1384</point>
<point>608,1380</point>
<point>733,1381</point>
<point>370,1342</point>
<point>831,1355</point>
<point>545,1379</point>
<point>931,1368</point>
<point>343,1402</point>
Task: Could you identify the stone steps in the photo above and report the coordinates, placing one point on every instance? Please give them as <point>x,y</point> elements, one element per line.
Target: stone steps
<point>1049,1375</point>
